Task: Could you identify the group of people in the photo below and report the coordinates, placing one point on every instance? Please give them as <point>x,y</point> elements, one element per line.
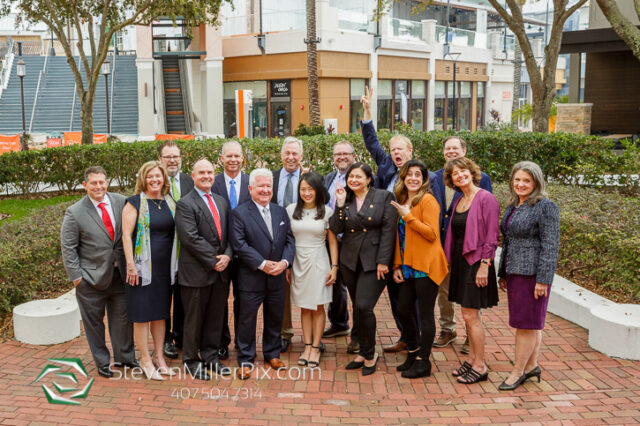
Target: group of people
<point>290,237</point>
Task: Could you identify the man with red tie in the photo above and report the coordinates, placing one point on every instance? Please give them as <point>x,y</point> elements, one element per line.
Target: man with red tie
<point>202,220</point>
<point>93,257</point>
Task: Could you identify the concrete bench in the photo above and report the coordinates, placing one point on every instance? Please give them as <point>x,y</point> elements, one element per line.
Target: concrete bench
<point>615,330</point>
<point>48,321</point>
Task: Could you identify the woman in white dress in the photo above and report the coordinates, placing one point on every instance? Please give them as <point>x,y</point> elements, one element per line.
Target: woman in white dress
<point>312,275</point>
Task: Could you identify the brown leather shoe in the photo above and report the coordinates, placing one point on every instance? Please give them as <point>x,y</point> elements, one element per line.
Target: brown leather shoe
<point>445,338</point>
<point>396,347</point>
<point>276,363</point>
<point>245,372</point>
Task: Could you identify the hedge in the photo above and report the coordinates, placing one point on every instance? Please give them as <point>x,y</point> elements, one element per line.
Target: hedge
<point>562,156</point>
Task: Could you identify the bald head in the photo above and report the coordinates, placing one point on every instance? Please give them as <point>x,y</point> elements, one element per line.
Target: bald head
<point>203,174</point>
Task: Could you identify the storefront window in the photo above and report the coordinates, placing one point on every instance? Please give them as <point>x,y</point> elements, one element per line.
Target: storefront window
<point>439,106</point>
<point>464,122</point>
<point>356,111</point>
<point>401,102</point>
<point>418,103</point>
<point>384,104</point>
<point>259,92</point>
<point>480,107</point>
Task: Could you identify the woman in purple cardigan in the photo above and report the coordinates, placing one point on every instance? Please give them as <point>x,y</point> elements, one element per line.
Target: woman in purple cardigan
<point>472,238</point>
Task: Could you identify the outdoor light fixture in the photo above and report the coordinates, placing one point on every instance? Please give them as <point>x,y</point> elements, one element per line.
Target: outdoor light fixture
<point>21,68</point>
<point>21,71</point>
<point>105,69</point>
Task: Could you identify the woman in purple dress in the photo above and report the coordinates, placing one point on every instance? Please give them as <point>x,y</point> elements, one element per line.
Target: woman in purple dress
<point>531,230</point>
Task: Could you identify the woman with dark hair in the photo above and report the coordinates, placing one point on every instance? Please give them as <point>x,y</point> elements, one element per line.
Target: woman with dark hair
<point>470,246</point>
<point>419,264</point>
<point>367,220</point>
<point>312,275</point>
<point>531,230</point>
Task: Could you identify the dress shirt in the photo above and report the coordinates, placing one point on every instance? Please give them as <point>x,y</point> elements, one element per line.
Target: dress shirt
<point>203,195</point>
<point>237,180</point>
<point>107,205</point>
<point>282,185</point>
<point>261,210</point>
<point>393,182</point>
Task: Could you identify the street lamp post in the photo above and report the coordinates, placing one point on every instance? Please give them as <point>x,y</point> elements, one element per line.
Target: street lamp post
<point>454,57</point>
<point>105,70</point>
<point>21,70</point>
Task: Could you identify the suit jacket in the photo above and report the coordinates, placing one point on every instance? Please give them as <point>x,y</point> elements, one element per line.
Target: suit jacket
<point>481,231</point>
<point>199,240</point>
<point>253,244</point>
<point>220,188</point>
<point>328,179</point>
<point>369,234</point>
<point>87,249</point>
<point>386,167</point>
<point>531,241</point>
<point>445,214</point>
<point>186,184</point>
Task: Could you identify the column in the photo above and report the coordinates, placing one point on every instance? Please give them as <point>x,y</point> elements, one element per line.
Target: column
<point>144,63</point>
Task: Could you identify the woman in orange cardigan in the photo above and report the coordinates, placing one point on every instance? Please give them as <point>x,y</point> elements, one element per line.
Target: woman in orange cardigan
<point>419,264</point>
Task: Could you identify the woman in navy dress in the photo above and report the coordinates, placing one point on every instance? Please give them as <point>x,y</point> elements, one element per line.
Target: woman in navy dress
<point>148,239</point>
<point>531,230</point>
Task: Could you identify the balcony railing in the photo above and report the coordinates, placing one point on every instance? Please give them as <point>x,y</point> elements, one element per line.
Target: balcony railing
<point>289,20</point>
<point>403,28</point>
<point>461,37</point>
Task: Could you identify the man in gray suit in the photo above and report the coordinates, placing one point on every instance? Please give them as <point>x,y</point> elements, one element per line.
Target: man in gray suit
<point>92,255</point>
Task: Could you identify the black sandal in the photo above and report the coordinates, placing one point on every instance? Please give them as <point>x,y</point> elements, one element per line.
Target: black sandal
<point>472,376</point>
<point>315,364</point>
<point>301,361</point>
<point>462,370</point>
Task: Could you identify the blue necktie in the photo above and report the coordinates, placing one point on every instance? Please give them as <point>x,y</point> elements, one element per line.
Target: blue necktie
<point>233,197</point>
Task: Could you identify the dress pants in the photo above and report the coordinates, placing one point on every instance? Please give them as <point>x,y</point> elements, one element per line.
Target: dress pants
<point>425,291</point>
<point>447,310</point>
<point>204,309</point>
<point>174,334</point>
<point>394,289</point>
<point>272,302</point>
<point>92,304</point>
<point>365,289</point>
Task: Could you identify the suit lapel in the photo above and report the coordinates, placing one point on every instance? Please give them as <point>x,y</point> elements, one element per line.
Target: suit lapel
<point>367,205</point>
<point>204,210</point>
<point>220,187</point>
<point>257,216</point>
<point>93,214</point>
<point>117,213</point>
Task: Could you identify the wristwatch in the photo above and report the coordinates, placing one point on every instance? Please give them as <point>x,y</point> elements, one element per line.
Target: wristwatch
<point>486,262</point>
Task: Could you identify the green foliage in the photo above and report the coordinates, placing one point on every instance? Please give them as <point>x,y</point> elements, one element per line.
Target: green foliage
<point>599,237</point>
<point>304,130</point>
<point>18,208</point>
<point>524,113</point>
<point>30,257</point>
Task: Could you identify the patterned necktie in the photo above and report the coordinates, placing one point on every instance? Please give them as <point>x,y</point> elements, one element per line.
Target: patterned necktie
<point>233,196</point>
<point>288,191</point>
<point>175,191</point>
<point>216,216</point>
<point>106,219</point>
<point>267,220</point>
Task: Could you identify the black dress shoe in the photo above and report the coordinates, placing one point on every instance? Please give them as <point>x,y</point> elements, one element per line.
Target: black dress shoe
<point>536,372</point>
<point>105,371</point>
<point>367,371</point>
<point>223,353</point>
<point>197,371</point>
<point>285,344</point>
<point>170,350</point>
<point>406,365</point>
<point>420,368</point>
<point>335,331</point>
<point>505,386</point>
<point>322,347</point>
<point>131,364</point>
<point>218,368</point>
<point>354,365</point>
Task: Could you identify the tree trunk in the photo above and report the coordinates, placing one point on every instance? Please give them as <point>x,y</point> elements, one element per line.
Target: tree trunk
<point>312,64</point>
<point>86,115</point>
<point>517,77</point>
<point>622,25</point>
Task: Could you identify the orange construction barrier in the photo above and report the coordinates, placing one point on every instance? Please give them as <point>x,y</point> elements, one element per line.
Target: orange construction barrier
<point>173,137</point>
<point>9,143</point>
<point>54,142</point>
<point>75,138</point>
<point>99,139</point>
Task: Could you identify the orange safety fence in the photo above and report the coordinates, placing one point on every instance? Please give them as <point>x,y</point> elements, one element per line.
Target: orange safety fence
<point>75,138</point>
<point>54,142</point>
<point>9,143</point>
<point>173,137</point>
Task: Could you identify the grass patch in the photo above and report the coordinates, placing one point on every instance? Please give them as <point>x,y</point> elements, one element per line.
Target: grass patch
<point>18,208</point>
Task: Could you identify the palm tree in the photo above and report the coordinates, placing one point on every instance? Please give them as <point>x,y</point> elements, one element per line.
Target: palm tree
<point>312,64</point>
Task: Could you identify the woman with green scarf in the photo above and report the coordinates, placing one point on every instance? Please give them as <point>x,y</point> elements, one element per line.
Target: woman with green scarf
<point>150,248</point>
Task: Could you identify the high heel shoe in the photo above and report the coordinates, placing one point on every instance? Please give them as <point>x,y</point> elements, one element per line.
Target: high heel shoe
<point>535,372</point>
<point>366,370</point>
<point>505,386</point>
<point>163,371</point>
<point>151,372</point>
<point>303,361</point>
<point>315,364</point>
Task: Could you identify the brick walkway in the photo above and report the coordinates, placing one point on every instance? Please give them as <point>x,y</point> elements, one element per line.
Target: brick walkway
<point>579,386</point>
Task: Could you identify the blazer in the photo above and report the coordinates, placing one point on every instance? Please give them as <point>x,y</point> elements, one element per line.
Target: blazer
<point>186,184</point>
<point>445,216</point>
<point>386,167</point>
<point>87,249</point>
<point>481,232</point>
<point>422,249</point>
<point>328,179</point>
<point>369,234</point>
<point>253,244</point>
<point>199,240</point>
<point>220,187</point>
<point>530,244</point>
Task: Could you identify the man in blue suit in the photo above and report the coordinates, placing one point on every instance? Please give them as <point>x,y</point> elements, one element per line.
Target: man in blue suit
<point>233,186</point>
<point>452,147</point>
<point>389,164</point>
<point>261,237</point>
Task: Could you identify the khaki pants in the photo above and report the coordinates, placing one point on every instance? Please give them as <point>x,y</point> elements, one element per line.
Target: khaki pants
<point>447,311</point>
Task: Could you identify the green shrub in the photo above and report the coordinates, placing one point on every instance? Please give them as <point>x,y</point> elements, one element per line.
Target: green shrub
<point>304,130</point>
<point>599,237</point>
<point>30,257</point>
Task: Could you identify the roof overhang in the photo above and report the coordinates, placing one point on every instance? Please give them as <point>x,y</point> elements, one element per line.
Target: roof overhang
<point>596,40</point>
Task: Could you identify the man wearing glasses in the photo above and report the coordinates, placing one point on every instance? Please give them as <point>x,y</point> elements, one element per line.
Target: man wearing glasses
<point>170,155</point>
<point>343,157</point>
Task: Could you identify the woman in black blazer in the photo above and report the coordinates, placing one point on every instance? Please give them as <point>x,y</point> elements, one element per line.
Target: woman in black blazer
<point>531,229</point>
<point>367,220</point>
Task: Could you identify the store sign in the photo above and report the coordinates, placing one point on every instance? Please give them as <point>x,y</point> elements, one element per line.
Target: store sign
<point>506,94</point>
<point>280,88</point>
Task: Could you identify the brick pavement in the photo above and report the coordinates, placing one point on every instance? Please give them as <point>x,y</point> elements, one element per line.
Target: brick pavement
<point>579,386</point>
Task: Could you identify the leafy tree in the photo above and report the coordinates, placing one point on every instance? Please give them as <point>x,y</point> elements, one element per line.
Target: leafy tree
<point>100,20</point>
<point>622,25</point>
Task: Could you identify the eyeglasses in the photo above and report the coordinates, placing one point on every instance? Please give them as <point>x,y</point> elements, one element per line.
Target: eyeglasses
<point>342,154</point>
<point>171,157</point>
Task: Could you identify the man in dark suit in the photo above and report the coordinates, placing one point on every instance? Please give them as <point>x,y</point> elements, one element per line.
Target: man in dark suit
<point>389,164</point>
<point>233,186</point>
<point>170,155</point>
<point>91,240</point>
<point>452,147</point>
<point>202,221</point>
<point>343,157</point>
<point>261,237</point>
<point>285,192</point>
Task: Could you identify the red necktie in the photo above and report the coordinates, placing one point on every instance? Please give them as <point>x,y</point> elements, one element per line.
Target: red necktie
<point>216,216</point>
<point>106,219</point>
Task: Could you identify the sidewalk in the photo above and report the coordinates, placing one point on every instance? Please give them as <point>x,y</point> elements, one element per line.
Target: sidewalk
<point>579,386</point>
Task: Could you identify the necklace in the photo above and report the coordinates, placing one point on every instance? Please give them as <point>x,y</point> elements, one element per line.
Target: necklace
<point>158,205</point>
